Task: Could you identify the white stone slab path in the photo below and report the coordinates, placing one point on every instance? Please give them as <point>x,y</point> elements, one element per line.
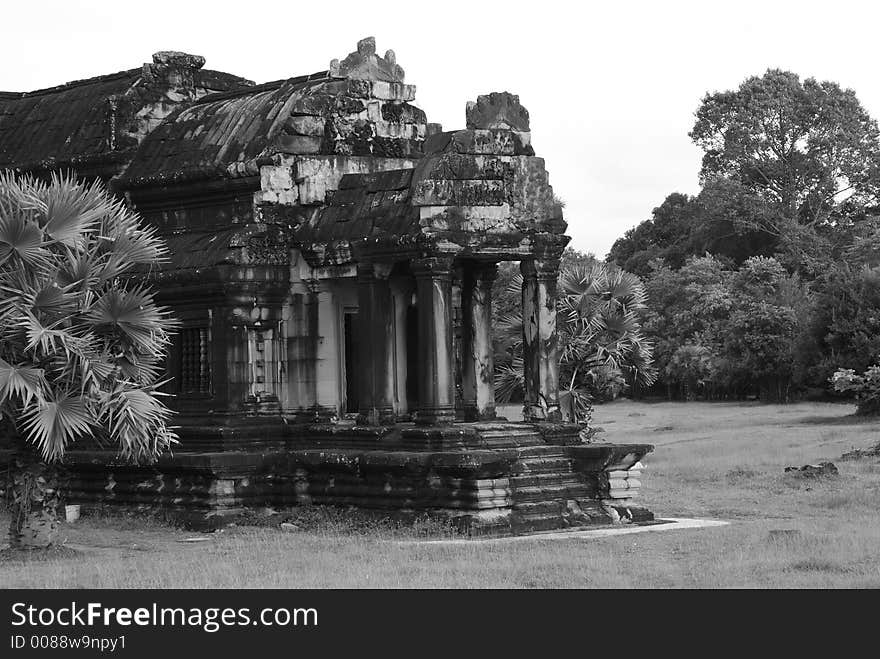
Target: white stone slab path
<point>666,524</point>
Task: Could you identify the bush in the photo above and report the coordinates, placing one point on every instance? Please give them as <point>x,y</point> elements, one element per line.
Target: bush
<point>865,387</point>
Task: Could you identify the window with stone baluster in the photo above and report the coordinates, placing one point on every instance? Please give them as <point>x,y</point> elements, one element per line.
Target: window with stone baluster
<point>195,364</point>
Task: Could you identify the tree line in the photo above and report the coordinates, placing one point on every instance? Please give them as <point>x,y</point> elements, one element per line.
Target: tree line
<point>767,282</point>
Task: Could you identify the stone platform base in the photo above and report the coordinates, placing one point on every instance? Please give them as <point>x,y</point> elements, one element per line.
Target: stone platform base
<point>488,478</point>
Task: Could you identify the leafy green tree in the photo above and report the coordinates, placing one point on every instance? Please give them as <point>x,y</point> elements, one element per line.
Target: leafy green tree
<point>845,325</point>
<point>725,219</point>
<point>758,345</point>
<point>721,331</point>
<point>804,146</point>
<point>686,307</point>
<point>729,222</point>
<point>691,365</point>
<point>665,235</point>
<point>807,148</point>
<point>80,344</point>
<point>865,388</point>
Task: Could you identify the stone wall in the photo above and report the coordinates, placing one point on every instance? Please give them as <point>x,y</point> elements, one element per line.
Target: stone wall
<point>488,477</point>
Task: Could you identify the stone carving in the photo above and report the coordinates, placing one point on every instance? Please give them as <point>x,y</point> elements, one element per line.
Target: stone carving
<point>497,110</point>
<point>364,64</point>
<point>271,247</point>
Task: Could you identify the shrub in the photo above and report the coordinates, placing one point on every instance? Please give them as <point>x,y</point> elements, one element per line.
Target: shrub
<point>865,388</point>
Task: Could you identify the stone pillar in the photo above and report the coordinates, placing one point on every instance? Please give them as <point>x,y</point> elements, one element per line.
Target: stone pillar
<point>478,358</point>
<point>375,344</point>
<point>327,368</point>
<point>402,290</point>
<point>540,350</point>
<point>436,369</point>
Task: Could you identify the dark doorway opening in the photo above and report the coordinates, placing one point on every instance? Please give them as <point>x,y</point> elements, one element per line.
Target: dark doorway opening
<point>412,358</point>
<point>351,389</point>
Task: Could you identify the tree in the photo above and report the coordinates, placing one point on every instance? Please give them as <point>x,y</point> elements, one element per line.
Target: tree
<point>845,324</point>
<point>664,235</point>
<point>80,342</point>
<point>724,220</point>
<point>726,331</point>
<point>685,307</point>
<point>691,365</point>
<point>599,334</point>
<point>807,148</point>
<point>865,388</point>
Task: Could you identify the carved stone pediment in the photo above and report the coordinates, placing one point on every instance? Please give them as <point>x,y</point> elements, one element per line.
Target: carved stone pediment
<point>364,64</point>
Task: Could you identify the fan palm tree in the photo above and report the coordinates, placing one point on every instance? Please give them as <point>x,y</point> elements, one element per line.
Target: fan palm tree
<point>80,341</point>
<point>598,332</point>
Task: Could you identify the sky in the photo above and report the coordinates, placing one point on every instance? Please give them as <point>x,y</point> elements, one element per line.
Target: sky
<point>611,87</point>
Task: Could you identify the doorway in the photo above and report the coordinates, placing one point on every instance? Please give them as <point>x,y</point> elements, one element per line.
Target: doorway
<point>350,361</point>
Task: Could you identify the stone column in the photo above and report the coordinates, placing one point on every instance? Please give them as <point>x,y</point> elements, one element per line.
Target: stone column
<point>478,358</point>
<point>540,350</point>
<point>402,290</point>
<point>375,356</point>
<point>327,367</point>
<point>436,368</point>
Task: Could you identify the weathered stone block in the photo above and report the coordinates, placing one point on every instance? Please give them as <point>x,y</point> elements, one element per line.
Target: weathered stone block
<point>374,111</point>
<point>314,104</point>
<point>305,125</point>
<point>497,110</point>
<point>317,175</point>
<point>459,193</point>
<point>403,113</point>
<point>298,144</point>
<point>468,219</point>
<point>400,130</point>
<point>288,197</point>
<point>390,129</point>
<point>481,141</point>
<point>396,147</point>
<point>265,197</point>
<point>393,91</point>
<point>534,201</point>
<point>348,87</point>
<point>462,166</point>
<point>276,178</point>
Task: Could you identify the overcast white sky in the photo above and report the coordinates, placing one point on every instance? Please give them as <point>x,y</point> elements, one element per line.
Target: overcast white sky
<point>611,87</point>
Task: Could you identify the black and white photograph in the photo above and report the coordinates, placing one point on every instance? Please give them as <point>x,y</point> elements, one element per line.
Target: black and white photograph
<point>435,296</point>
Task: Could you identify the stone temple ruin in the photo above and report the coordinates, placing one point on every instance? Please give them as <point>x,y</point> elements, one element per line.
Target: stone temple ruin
<point>332,263</point>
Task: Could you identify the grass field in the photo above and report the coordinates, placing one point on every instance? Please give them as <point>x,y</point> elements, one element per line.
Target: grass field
<point>721,461</point>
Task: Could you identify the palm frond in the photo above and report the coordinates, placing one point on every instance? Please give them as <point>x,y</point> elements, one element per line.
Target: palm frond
<point>52,424</point>
<point>509,380</point>
<point>138,423</point>
<point>22,382</point>
<point>68,210</point>
<point>21,237</point>
<point>80,350</point>
<point>132,314</point>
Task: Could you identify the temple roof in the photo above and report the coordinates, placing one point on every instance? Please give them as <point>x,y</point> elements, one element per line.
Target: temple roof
<point>220,135</point>
<point>172,122</point>
<point>99,120</point>
<point>358,107</point>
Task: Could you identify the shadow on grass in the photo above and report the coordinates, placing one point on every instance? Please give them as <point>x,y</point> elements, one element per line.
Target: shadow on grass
<point>8,555</point>
<point>847,420</point>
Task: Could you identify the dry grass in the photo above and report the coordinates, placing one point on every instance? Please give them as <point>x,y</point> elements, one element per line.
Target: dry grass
<point>723,461</point>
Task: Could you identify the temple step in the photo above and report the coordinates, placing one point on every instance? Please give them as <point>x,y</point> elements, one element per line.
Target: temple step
<point>548,492</point>
<point>507,435</point>
<point>545,479</point>
<point>545,466</point>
